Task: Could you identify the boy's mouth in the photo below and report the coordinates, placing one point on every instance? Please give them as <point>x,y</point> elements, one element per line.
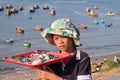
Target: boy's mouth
<point>62,46</point>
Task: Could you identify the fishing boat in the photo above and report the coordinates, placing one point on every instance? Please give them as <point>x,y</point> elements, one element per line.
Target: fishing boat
<point>31,10</point>
<point>96,23</point>
<point>118,13</point>
<point>82,26</point>
<point>1,8</point>
<point>108,25</point>
<point>20,8</point>
<point>19,30</point>
<point>27,45</point>
<point>109,14</point>
<point>102,21</point>
<point>93,14</point>
<point>36,6</point>
<point>52,11</point>
<point>8,13</point>
<point>9,41</point>
<point>45,7</point>
<point>88,9</point>
<point>9,6</point>
<point>38,28</point>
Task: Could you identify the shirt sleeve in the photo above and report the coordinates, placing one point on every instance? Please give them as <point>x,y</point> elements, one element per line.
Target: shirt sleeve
<point>84,69</point>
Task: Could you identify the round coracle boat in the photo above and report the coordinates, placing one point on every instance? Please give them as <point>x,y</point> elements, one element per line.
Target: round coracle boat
<point>52,12</point>
<point>20,8</point>
<point>9,6</point>
<point>109,13</point>
<point>107,25</point>
<point>38,28</point>
<point>27,45</point>
<point>102,22</point>
<point>36,6</point>
<point>19,30</point>
<point>8,13</point>
<point>93,14</point>
<point>96,23</point>
<point>82,26</point>
<point>45,7</point>
<point>88,9</point>
<point>96,7</point>
<point>118,13</point>
<point>1,8</point>
<point>31,10</point>
<point>13,10</point>
<point>9,41</point>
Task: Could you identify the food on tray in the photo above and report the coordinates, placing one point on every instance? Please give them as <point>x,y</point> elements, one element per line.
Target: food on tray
<point>33,59</point>
<point>36,58</point>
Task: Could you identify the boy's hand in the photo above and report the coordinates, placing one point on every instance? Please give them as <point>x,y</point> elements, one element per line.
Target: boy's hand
<point>47,74</point>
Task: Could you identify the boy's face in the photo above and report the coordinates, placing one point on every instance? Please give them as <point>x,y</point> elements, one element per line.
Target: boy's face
<point>63,43</point>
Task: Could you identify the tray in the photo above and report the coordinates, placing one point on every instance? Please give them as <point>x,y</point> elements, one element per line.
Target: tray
<point>21,57</point>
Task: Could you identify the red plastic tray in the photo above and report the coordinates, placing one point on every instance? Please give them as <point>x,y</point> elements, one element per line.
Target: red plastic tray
<point>60,57</point>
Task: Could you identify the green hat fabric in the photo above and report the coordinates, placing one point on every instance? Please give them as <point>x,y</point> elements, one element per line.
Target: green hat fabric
<point>62,27</point>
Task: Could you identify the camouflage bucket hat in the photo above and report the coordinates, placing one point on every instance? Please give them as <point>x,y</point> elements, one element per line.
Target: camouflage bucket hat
<point>62,27</point>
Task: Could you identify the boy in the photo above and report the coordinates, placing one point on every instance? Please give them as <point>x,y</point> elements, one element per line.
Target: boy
<point>65,36</point>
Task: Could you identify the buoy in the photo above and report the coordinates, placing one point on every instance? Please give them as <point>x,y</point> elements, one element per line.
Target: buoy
<point>9,41</point>
<point>27,45</point>
<point>107,25</point>
<point>96,23</point>
<point>102,22</point>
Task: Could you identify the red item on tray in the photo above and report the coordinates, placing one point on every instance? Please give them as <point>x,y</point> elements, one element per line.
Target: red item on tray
<point>36,58</point>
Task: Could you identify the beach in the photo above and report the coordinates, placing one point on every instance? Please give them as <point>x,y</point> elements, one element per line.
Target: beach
<point>31,73</point>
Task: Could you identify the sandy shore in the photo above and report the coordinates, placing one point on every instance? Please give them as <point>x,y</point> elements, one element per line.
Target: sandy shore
<point>31,74</point>
<point>100,59</point>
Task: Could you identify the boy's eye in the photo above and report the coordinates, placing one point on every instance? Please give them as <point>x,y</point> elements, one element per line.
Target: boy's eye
<point>56,38</point>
